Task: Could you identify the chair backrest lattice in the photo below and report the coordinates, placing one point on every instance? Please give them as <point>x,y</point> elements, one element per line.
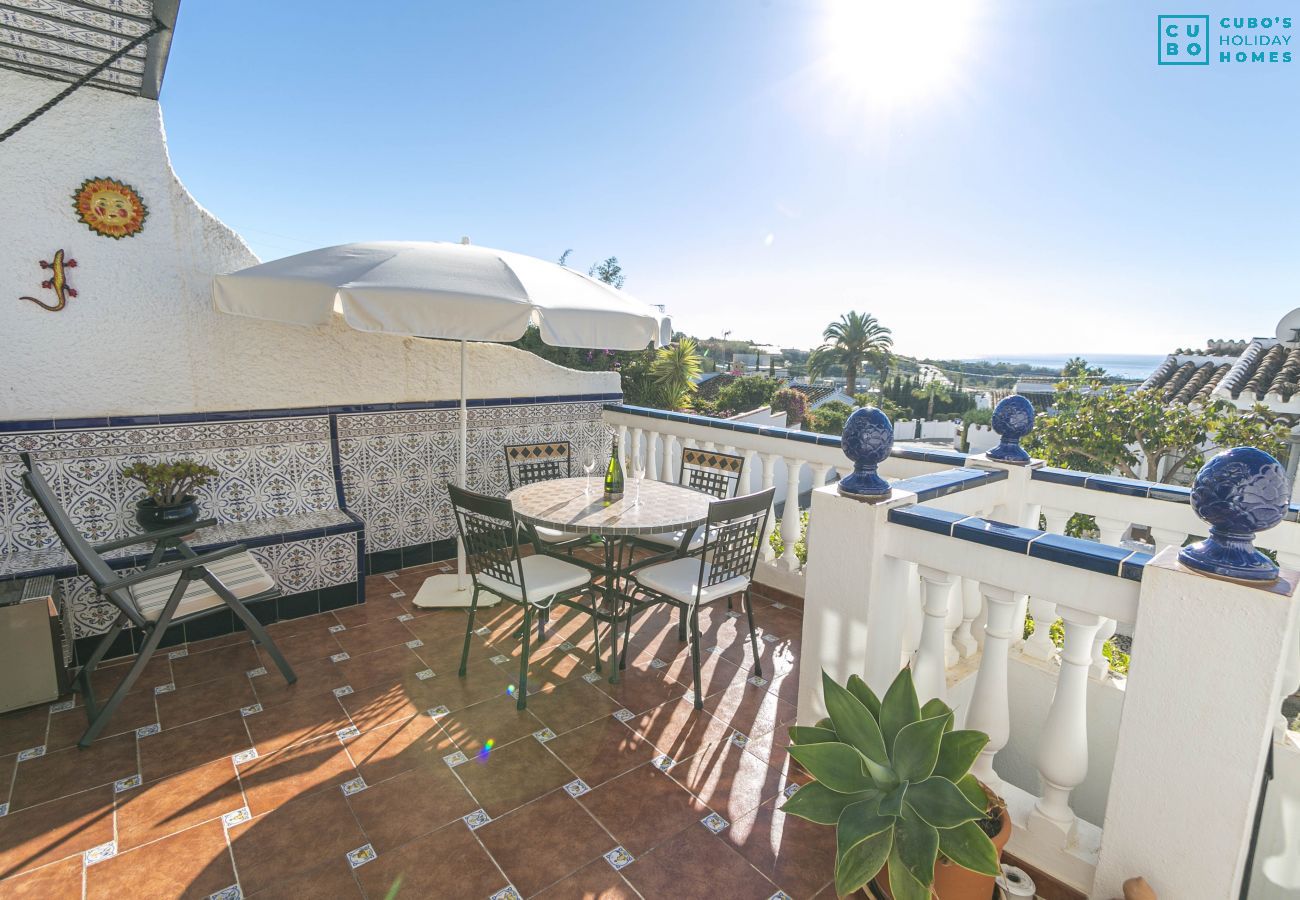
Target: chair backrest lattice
<point>711,472</point>
<point>530,463</point>
<point>733,537</point>
<point>487,526</point>
<point>90,562</point>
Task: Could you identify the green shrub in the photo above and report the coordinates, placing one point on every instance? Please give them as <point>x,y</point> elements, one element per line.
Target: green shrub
<point>169,483</point>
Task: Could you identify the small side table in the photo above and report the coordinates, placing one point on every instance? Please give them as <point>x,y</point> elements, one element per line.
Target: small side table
<point>35,652</point>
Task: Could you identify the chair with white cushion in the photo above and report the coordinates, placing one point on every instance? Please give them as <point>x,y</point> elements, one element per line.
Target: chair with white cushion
<point>723,569</point>
<point>530,463</point>
<point>710,472</point>
<point>158,596</point>
<point>490,533</point>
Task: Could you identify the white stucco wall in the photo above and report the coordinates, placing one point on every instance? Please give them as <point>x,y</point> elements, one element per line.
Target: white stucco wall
<point>142,337</point>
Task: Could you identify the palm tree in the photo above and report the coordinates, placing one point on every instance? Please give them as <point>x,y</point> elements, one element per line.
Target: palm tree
<point>674,371</point>
<point>820,361</point>
<point>851,339</point>
<point>932,390</point>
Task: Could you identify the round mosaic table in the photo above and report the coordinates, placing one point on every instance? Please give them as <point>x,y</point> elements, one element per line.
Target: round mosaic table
<point>564,504</point>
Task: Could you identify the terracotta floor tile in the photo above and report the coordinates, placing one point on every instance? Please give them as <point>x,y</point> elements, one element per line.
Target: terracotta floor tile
<point>531,863</point>
<point>640,691</point>
<point>797,855</point>
<point>159,808</point>
<point>388,664</point>
<point>482,681</point>
<point>570,705</point>
<point>550,670</point>
<point>412,804</point>
<point>642,808</point>
<point>331,880</point>
<point>387,702</point>
<point>289,627</point>
<point>221,640</point>
<point>750,709</point>
<point>276,778</point>
<point>512,776</point>
<point>24,729</point>
<point>442,654</point>
<point>73,770</point>
<point>107,675</point>
<point>377,608</point>
<point>317,677</point>
<point>679,729</point>
<point>374,636</point>
<point>136,710</point>
<point>594,881</point>
<point>728,780</point>
<point>446,862</point>
<point>716,672</point>
<point>52,882</point>
<point>192,863</point>
<point>202,701</point>
<point>187,746</point>
<point>602,750</point>
<point>496,719</point>
<point>51,831</point>
<point>696,865</point>
<point>300,720</point>
<point>303,647</point>
<point>223,662</point>
<point>441,625</point>
<point>293,840</point>
<point>390,750</point>
<point>778,657</point>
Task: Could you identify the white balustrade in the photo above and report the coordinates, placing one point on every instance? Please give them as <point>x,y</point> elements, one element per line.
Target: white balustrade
<point>790,513</point>
<point>634,448</point>
<point>1100,667</point>
<point>1039,645</point>
<point>1167,537</point>
<point>990,708</point>
<point>929,669</point>
<point>769,480</point>
<point>652,455</point>
<point>971,604</point>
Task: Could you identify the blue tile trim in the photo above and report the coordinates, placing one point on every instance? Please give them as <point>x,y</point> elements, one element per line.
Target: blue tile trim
<point>1079,553</point>
<point>1172,493</point>
<point>1059,476</point>
<point>939,521</point>
<point>1132,567</point>
<point>996,534</point>
<point>951,481</point>
<point>1111,485</point>
<point>334,462</point>
<point>90,422</point>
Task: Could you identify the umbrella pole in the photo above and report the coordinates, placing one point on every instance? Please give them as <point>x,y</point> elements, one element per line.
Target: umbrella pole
<point>452,590</point>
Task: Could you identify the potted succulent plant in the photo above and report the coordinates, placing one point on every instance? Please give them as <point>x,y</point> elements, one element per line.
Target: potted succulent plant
<point>169,487</point>
<point>894,779</point>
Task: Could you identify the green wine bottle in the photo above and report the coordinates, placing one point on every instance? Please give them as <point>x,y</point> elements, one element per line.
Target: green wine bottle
<point>614,473</point>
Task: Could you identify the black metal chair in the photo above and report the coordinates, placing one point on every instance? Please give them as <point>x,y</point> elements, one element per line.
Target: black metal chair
<point>158,596</point>
<point>545,461</point>
<point>490,533</point>
<point>707,471</point>
<point>725,567</point>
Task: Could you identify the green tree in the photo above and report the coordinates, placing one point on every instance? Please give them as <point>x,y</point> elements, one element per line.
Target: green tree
<point>1137,435</point>
<point>674,371</point>
<point>609,272</point>
<point>1077,367</point>
<point>744,394</point>
<point>932,390</point>
<point>829,418</point>
<point>791,402</point>
<point>851,339</point>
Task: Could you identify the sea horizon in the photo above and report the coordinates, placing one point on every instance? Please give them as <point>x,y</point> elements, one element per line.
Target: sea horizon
<point>1133,366</point>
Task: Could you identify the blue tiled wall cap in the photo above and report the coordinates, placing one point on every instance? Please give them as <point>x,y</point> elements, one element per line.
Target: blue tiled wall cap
<point>1238,493</point>
<point>868,437</point>
<point>1012,420</point>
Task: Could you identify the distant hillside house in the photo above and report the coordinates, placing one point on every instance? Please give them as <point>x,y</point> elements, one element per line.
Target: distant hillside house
<point>820,394</point>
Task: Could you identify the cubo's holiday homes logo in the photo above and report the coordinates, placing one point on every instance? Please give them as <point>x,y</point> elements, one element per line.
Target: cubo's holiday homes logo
<point>1185,40</point>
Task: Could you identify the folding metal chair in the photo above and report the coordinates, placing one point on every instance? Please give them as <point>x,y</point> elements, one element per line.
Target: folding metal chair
<point>709,472</point>
<point>490,533</point>
<point>545,461</point>
<point>724,568</point>
<point>160,595</point>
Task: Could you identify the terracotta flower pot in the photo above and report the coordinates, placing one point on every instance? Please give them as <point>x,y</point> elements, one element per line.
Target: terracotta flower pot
<point>951,881</point>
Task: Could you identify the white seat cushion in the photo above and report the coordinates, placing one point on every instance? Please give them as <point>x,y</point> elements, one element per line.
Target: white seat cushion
<point>543,577</point>
<point>240,574</point>
<point>554,536</point>
<point>673,539</point>
<point>679,579</point>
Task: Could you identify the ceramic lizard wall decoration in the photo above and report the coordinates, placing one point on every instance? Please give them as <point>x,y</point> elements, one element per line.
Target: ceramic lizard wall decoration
<point>58,282</point>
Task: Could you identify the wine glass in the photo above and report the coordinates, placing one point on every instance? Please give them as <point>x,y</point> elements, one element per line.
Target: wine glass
<point>638,473</point>
<point>588,466</point>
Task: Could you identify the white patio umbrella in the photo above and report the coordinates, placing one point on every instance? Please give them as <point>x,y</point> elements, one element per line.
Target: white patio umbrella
<point>447,291</point>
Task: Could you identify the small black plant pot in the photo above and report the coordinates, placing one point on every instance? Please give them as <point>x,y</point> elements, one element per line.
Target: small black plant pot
<point>152,517</point>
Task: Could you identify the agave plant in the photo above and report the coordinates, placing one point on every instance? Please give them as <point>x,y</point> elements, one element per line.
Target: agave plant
<point>894,779</point>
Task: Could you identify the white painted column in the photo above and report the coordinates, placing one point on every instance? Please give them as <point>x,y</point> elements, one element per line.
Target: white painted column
<point>790,514</point>
<point>652,455</point>
<point>633,447</point>
<point>1167,537</point>
<point>1184,785</point>
<point>929,668</point>
<point>668,473</point>
<point>1063,745</point>
<point>912,615</point>
<point>769,480</point>
<point>971,604</point>
<point>955,607</point>
<point>990,708</point>
<point>1111,532</point>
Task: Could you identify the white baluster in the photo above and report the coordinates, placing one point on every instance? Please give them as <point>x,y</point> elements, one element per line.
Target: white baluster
<point>1018,629</point>
<point>1111,531</point>
<point>970,610</point>
<point>1290,683</point>
<point>769,479</point>
<point>1056,519</point>
<point>669,474</point>
<point>621,444</point>
<point>652,455</point>
<point>1063,743</point>
<point>1039,645</point>
<point>1168,537</point>
<point>950,652</point>
<point>790,515</point>
<point>912,616</point>
<point>1100,664</point>
<point>990,707</point>
<point>930,666</point>
<point>633,448</point>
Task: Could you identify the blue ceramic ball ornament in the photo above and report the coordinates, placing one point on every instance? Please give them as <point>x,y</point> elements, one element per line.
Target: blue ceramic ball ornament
<point>868,438</point>
<point>1238,493</point>
<point>1012,420</point>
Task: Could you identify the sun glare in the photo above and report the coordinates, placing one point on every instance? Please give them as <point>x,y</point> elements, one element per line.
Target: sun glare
<point>888,53</point>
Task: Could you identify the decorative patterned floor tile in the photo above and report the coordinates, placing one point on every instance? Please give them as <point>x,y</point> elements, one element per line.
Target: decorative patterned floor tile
<point>778,605</point>
<point>31,753</point>
<point>619,858</point>
<point>757,680</point>
<point>250,710</point>
<point>780,895</point>
<point>179,654</point>
<point>415,644</point>
<point>244,756</point>
<point>739,740</point>
<point>361,855</point>
<point>455,759</point>
<point>4,810</point>
<point>770,638</point>
<point>714,823</point>
<point>476,820</point>
<point>164,689</point>
<point>624,715</point>
<point>576,788</point>
<point>663,762</point>
<point>340,657</point>
<point>350,732</point>
<point>125,784</point>
<point>543,735</point>
<point>482,630</point>
<point>397,595</point>
<point>405,617</point>
<point>231,819</point>
<point>424,674</point>
<point>256,673</point>
<point>438,712</point>
<point>566,645</point>
<point>147,730</point>
<point>100,853</point>
<point>62,706</point>
<point>506,893</point>
<point>355,786</point>
<point>592,677</point>
<point>231,893</point>
<point>335,629</point>
<point>499,659</point>
<point>790,790</point>
<point>343,691</point>
<point>732,614</point>
<point>658,663</point>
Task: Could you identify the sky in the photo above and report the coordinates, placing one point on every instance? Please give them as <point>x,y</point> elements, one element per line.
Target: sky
<point>986,177</point>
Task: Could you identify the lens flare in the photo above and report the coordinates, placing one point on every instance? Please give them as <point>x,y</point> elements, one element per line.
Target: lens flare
<point>487,749</point>
<point>511,690</point>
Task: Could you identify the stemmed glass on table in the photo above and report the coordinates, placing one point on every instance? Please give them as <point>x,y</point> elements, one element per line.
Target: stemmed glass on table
<point>588,466</point>
<point>638,474</point>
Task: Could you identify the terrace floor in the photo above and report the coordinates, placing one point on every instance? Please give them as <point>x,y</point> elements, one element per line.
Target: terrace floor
<point>344,784</point>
